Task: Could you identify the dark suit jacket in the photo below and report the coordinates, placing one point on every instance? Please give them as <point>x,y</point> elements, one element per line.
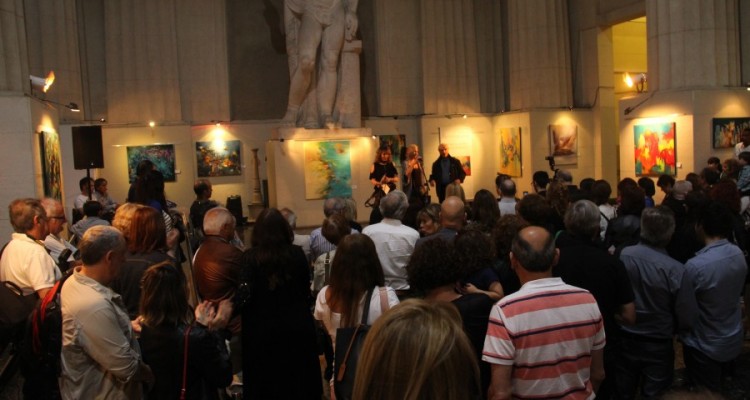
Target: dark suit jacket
<point>456,170</point>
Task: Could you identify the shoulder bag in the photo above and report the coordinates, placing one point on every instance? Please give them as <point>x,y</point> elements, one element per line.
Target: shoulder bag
<point>349,343</point>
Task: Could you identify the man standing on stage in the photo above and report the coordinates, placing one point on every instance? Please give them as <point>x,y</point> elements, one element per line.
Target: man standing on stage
<point>446,170</point>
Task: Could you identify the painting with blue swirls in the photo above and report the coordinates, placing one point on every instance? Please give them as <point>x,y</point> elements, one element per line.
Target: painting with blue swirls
<point>328,169</point>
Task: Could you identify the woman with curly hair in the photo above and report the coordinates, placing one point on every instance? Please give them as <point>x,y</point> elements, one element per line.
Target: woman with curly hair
<point>433,273</point>
<point>505,230</point>
<point>474,257</point>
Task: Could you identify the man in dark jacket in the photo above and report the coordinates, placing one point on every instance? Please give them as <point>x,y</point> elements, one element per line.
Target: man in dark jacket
<point>445,170</point>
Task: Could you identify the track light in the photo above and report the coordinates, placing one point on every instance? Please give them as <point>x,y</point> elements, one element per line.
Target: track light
<point>71,106</point>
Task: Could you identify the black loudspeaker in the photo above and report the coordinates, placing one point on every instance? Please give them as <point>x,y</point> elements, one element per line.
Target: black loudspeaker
<point>87,147</point>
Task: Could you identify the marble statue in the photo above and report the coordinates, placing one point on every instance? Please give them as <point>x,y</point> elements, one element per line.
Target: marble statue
<point>311,24</point>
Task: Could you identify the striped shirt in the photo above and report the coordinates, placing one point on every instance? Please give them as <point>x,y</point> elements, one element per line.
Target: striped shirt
<point>546,331</point>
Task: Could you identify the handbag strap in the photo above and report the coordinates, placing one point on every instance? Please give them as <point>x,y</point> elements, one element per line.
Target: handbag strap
<point>185,362</point>
<point>365,314</point>
<point>327,266</point>
<point>384,306</point>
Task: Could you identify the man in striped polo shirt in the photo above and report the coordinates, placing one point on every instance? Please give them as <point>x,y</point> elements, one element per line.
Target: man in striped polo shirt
<point>547,339</point>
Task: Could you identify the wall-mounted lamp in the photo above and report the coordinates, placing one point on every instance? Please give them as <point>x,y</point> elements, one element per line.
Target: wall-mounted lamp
<point>747,86</point>
<point>151,124</point>
<point>217,122</point>
<point>42,84</point>
<point>457,115</point>
<point>639,82</point>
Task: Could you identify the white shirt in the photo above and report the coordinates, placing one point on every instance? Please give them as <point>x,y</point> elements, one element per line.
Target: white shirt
<point>507,206</point>
<point>739,148</point>
<point>332,320</point>
<point>80,200</point>
<point>607,212</point>
<point>26,263</point>
<point>394,242</point>
<point>56,245</point>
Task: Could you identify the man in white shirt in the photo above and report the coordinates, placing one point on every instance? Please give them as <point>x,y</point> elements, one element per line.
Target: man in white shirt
<point>25,261</point>
<point>55,222</point>
<point>393,240</point>
<point>87,186</point>
<point>506,188</point>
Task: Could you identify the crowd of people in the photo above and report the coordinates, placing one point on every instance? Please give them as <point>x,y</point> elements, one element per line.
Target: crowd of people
<point>570,291</point>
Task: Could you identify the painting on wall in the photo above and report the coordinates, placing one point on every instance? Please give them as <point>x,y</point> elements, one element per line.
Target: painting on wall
<point>655,149</point>
<point>510,151</point>
<point>397,144</point>
<point>328,169</point>
<point>162,155</point>
<point>218,158</point>
<point>727,131</point>
<point>49,147</point>
<point>564,143</point>
<point>465,164</point>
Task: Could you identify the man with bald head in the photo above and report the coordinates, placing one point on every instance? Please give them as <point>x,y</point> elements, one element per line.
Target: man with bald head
<point>452,220</point>
<point>217,262</point>
<point>545,330</point>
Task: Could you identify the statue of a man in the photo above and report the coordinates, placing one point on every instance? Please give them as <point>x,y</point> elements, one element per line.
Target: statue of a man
<point>310,24</point>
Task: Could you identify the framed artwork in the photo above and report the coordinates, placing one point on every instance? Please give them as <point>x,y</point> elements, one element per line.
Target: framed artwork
<point>510,151</point>
<point>465,164</point>
<point>162,155</point>
<point>564,143</point>
<point>49,147</point>
<point>218,158</point>
<point>655,149</point>
<point>328,169</point>
<point>726,131</point>
<point>397,143</point>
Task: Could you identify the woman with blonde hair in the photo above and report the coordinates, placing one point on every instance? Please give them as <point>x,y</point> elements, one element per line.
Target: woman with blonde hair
<point>417,350</point>
<point>123,217</point>
<point>415,185</point>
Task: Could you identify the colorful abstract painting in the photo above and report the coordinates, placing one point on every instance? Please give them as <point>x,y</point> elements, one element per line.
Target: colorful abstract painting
<point>510,151</point>
<point>328,169</point>
<point>727,131</point>
<point>218,158</point>
<point>655,149</point>
<point>564,143</point>
<point>162,155</point>
<point>397,143</point>
<point>49,146</point>
<point>465,164</point>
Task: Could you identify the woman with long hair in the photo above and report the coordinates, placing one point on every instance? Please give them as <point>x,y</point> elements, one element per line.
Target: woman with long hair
<point>484,212</point>
<point>415,185</point>
<point>418,350</point>
<point>279,346</point>
<point>166,322</point>
<point>383,176</point>
<point>147,245</point>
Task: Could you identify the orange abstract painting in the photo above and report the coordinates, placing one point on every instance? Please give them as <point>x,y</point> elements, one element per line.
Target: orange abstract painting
<point>655,149</point>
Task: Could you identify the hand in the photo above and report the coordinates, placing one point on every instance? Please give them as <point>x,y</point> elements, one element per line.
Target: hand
<point>136,325</point>
<point>173,237</point>
<point>432,183</point>
<point>223,315</point>
<point>469,288</point>
<point>458,181</point>
<point>351,26</point>
<point>205,313</point>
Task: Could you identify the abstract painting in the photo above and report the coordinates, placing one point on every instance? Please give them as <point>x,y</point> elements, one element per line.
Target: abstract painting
<point>162,155</point>
<point>328,169</point>
<point>397,143</point>
<point>510,151</point>
<point>49,146</point>
<point>727,131</point>
<point>465,164</point>
<point>655,149</point>
<point>218,158</point>
<point>564,143</point>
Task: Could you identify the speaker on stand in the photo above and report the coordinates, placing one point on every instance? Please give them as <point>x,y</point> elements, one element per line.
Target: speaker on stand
<point>87,148</point>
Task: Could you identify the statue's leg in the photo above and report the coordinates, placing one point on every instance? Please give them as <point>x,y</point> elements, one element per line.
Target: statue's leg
<point>308,39</point>
<point>331,44</point>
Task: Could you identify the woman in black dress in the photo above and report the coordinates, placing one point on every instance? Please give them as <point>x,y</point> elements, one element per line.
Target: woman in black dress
<point>383,176</point>
<point>415,185</point>
<point>279,347</point>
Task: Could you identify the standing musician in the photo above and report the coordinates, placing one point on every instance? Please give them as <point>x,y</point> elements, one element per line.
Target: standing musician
<point>383,176</point>
<point>415,185</point>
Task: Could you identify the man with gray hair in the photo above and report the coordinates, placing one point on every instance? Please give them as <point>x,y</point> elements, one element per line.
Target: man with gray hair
<point>663,307</point>
<point>25,261</point>
<point>393,240</point>
<point>55,244</point>
<point>584,263</point>
<point>217,262</point>
<point>100,355</point>
<point>506,188</point>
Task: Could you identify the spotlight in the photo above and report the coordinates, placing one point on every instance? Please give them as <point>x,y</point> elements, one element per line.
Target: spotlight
<point>152,124</point>
<point>73,107</point>
<point>42,84</point>
<point>465,116</point>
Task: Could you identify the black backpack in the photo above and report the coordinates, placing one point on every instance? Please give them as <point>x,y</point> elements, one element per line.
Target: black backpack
<point>41,346</point>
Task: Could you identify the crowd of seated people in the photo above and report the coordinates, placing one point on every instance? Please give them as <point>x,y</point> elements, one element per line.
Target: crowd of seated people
<point>570,292</point>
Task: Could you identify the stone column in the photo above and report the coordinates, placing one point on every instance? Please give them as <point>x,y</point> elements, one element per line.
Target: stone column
<point>348,97</point>
<point>692,44</point>
<point>539,54</point>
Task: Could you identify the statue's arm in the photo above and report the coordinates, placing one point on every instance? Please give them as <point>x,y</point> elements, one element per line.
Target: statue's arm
<point>352,23</point>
